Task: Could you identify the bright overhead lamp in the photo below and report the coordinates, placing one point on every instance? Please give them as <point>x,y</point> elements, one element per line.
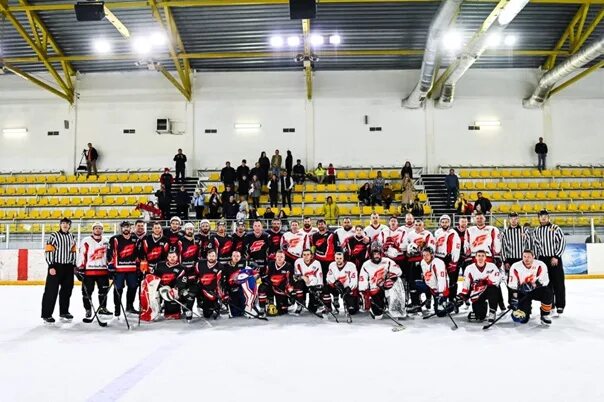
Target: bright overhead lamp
<point>158,39</point>
<point>101,46</point>
<point>335,39</point>
<point>276,41</point>
<point>293,41</point>
<point>452,40</point>
<point>247,126</point>
<point>510,11</point>
<point>494,40</point>
<point>510,40</point>
<point>14,132</point>
<point>317,40</point>
<point>487,123</point>
<point>141,45</point>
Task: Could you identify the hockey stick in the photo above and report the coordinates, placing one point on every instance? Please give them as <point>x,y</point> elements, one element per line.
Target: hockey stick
<point>348,316</point>
<point>322,303</point>
<point>90,320</point>
<point>399,326</point>
<point>293,299</point>
<point>122,306</point>
<point>507,311</point>
<point>246,312</point>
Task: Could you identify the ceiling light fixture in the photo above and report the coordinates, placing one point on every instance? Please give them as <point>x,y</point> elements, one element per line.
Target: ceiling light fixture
<point>276,41</point>
<point>158,39</point>
<point>335,39</point>
<point>452,40</point>
<point>101,46</point>
<point>317,40</point>
<point>494,40</point>
<point>14,132</point>
<point>247,126</point>
<point>510,40</point>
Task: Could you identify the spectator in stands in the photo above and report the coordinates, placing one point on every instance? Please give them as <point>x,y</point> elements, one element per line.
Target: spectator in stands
<point>242,215</point>
<point>377,188</point>
<point>180,160</point>
<point>387,196</point>
<point>462,206</point>
<point>417,209</point>
<point>541,151</point>
<point>318,175</point>
<point>243,172</point>
<point>408,190</point>
<point>164,198</point>
<point>244,187</point>
<point>214,204</point>
<point>452,186</point>
<point>231,208</point>
<point>268,214</point>
<point>331,211</point>
<point>167,180</point>
<point>149,211</point>
<point>226,194</point>
<point>331,174</point>
<point>265,165</point>
<point>276,163</point>
<point>287,184</point>
<point>365,194</point>
<point>255,191</point>
<point>228,175</point>
<point>91,157</point>
<point>256,171</point>
<point>183,199</point>
<point>482,204</point>
<point>408,170</point>
<point>273,191</point>
<point>253,214</point>
<point>299,172</point>
<point>283,216</point>
<point>289,162</point>
<point>199,203</point>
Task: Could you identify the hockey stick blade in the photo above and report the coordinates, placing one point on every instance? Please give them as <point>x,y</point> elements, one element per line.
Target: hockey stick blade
<point>398,329</point>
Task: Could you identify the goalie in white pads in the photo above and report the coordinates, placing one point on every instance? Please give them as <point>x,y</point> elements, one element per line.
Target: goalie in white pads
<point>437,281</point>
<point>308,280</point>
<point>377,281</point>
<point>528,281</point>
<point>481,287</point>
<point>343,277</point>
<point>164,274</point>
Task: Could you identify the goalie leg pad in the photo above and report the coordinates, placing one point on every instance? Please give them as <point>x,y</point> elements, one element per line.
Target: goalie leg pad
<point>150,299</point>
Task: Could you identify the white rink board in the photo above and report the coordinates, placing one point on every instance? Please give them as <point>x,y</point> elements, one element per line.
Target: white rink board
<point>301,359</point>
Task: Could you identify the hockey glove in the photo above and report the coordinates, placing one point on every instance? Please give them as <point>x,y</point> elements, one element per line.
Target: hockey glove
<point>79,274</point>
<point>514,301</point>
<point>526,288</point>
<point>460,299</point>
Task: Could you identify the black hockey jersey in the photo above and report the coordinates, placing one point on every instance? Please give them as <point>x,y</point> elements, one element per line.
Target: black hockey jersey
<point>166,273</point>
<point>324,245</point>
<point>274,243</point>
<point>205,243</point>
<point>223,246</point>
<point>153,250</point>
<point>256,247</point>
<point>188,250</point>
<point>122,253</point>
<point>279,276</point>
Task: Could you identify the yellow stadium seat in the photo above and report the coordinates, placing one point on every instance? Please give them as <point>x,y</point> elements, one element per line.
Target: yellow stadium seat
<point>124,190</point>
<point>308,198</point>
<point>356,210</point>
<point>101,213</point>
<point>308,211</point>
<point>124,213</point>
<point>264,199</point>
<point>596,194</point>
<point>352,175</point>
<point>513,185</point>
<point>363,175</point>
<point>75,201</point>
<point>320,198</point>
<point>427,209</point>
<point>78,213</point>
<point>533,185</point>
<point>320,188</point>
<point>112,213</point>
<point>373,174</point>
<point>131,201</point>
<point>340,174</point>
<point>341,197</point>
<point>504,208</point>
<point>523,185</point>
<point>310,187</point>
<point>297,198</point>
<point>296,211</point>
<point>137,189</point>
<point>547,173</point>
<point>474,173</point>
<point>331,188</point>
<point>367,210</point>
<point>572,208</point>
<point>516,208</point>
<point>148,189</point>
<point>342,187</point>
<point>490,185</point>
<point>214,176</point>
<point>344,210</point>
<point>423,197</point>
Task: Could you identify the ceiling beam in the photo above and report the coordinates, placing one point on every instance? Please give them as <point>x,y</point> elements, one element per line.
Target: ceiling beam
<point>551,60</point>
<point>26,76</point>
<point>580,40</point>
<point>209,3</point>
<point>119,25</point>
<point>307,54</point>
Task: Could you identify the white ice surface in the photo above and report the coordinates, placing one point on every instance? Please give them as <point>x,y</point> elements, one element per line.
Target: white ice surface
<point>294,359</point>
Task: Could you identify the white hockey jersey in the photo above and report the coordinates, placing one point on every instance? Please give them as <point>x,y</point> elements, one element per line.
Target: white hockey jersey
<point>477,279</point>
<point>391,241</point>
<point>347,275</point>
<point>343,234</point>
<point>447,243</point>
<point>312,272</point>
<point>486,238</point>
<point>310,231</point>
<point>93,256</point>
<point>414,242</point>
<point>373,232</point>
<point>520,274</point>
<point>435,276</point>
<point>372,274</point>
<point>407,229</point>
<point>294,243</point>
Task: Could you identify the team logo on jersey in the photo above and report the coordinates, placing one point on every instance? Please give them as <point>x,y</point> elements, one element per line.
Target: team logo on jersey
<point>127,251</point>
<point>320,242</point>
<point>420,241</point>
<point>358,249</point>
<point>98,254</point>
<point>226,248</point>
<point>276,280</point>
<point>166,279</point>
<point>294,242</point>
<point>479,240</point>
<point>256,246</point>
<point>154,254</point>
<point>190,252</point>
<point>440,241</point>
<point>207,279</point>
<point>378,275</point>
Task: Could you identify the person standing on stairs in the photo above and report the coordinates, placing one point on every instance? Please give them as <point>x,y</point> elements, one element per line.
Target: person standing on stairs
<point>180,159</point>
<point>452,186</point>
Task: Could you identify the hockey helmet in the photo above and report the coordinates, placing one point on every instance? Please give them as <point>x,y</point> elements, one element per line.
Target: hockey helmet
<point>445,216</point>
<point>428,249</point>
<point>271,310</point>
<point>520,316</point>
<point>125,224</point>
<point>95,224</point>
<point>189,225</point>
<point>176,218</point>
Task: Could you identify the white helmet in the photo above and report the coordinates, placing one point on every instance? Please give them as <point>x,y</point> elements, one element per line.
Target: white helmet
<point>95,224</point>
<point>176,218</point>
<point>445,216</point>
<point>189,225</point>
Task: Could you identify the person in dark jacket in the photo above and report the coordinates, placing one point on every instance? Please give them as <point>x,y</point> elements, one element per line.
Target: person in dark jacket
<point>255,171</point>
<point>268,214</point>
<point>265,165</point>
<point>407,169</point>
<point>214,204</point>
<point>287,184</point>
<point>91,157</point>
<point>299,172</point>
<point>231,208</point>
<point>226,194</point>
<point>482,204</point>
<point>541,151</point>
<point>289,162</point>
<point>365,194</point>
<point>228,175</point>
<point>166,180</point>
<point>243,172</point>
<point>164,198</point>
<point>452,186</point>
<point>273,191</point>
<point>182,203</point>
<point>180,159</point>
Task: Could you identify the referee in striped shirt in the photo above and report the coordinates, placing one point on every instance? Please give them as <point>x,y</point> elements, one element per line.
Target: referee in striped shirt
<point>514,240</point>
<point>549,247</point>
<point>60,253</point>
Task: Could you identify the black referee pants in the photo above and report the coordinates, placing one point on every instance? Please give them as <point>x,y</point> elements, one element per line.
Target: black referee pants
<point>61,284</point>
<point>556,281</point>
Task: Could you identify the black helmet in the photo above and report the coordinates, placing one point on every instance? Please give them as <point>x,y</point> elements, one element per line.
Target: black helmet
<point>124,224</point>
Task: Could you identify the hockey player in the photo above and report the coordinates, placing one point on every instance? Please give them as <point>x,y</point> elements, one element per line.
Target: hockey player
<point>308,279</point>
<point>238,237</point>
<point>344,278</point>
<point>223,243</point>
<point>436,279</point>
<point>307,227</point>
<point>188,249</point>
<point>409,225</point>
<point>483,237</point>
<point>210,272</point>
<point>448,248</point>
<point>343,233</point>
<point>92,269</point>
<point>122,257</point>
<point>528,281</point>
<point>391,240</point>
<point>256,246</point>
<point>375,227</point>
<point>274,238</point>
<point>173,233</point>
<point>377,277</point>
<point>355,247</point>
<point>154,247</point>
<point>461,229</point>
<point>140,229</point>
<point>413,244</point>
<point>277,283</point>
<point>238,287</point>
<point>323,243</point>
<point>203,239</point>
<point>165,274</point>
<point>294,242</point>
<point>481,287</point>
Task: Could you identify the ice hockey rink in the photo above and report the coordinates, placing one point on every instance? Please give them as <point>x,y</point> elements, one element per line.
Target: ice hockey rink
<point>302,358</point>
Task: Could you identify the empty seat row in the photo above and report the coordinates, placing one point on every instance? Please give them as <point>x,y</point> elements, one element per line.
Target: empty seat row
<point>531,173</point>
<point>41,191</point>
<point>534,185</point>
<point>59,178</point>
